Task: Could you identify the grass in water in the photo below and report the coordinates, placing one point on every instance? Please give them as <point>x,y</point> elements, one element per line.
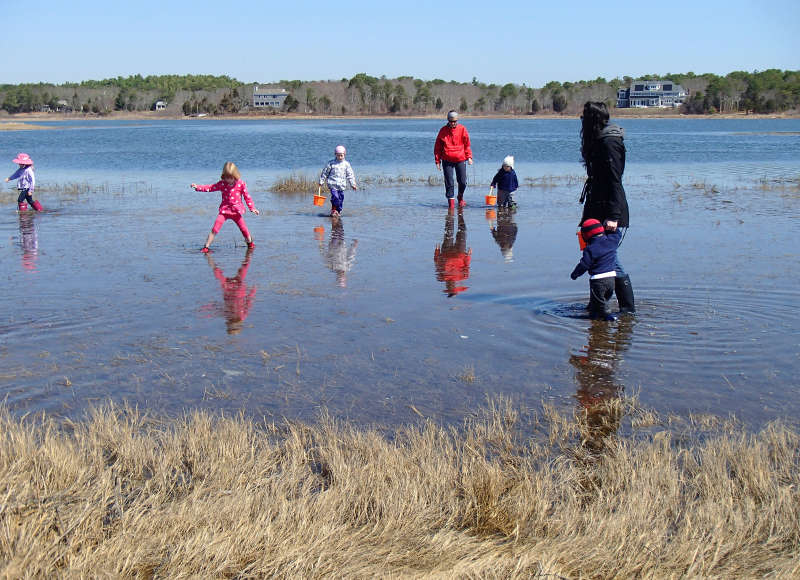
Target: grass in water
<point>508,495</point>
<point>295,183</point>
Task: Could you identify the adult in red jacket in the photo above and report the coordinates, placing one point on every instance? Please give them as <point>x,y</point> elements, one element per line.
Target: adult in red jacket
<point>452,152</point>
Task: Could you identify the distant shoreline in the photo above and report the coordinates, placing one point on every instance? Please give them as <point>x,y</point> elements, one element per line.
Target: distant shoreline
<point>27,121</point>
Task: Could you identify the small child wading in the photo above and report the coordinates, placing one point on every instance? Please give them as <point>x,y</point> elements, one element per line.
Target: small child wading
<point>336,175</point>
<point>26,183</point>
<point>599,259</point>
<point>506,181</point>
<point>231,208</point>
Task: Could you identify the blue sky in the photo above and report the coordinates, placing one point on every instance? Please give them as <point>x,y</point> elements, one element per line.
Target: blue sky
<point>510,41</point>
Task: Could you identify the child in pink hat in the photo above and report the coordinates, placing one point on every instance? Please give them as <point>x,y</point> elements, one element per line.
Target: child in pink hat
<point>336,174</point>
<point>26,183</point>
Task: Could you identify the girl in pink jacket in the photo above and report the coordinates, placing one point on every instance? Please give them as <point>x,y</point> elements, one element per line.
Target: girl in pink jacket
<point>233,191</point>
<point>26,183</point>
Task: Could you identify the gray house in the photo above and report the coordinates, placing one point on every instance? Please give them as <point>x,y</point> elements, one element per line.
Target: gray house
<point>651,93</point>
<point>264,98</point>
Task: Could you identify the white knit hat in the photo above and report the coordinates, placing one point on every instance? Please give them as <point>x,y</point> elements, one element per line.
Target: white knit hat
<point>509,160</point>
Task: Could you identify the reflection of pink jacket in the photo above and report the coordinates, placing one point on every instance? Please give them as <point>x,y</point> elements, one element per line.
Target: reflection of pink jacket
<point>235,295</point>
<point>231,196</point>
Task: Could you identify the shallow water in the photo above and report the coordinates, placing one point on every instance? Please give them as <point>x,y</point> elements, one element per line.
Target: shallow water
<point>108,296</point>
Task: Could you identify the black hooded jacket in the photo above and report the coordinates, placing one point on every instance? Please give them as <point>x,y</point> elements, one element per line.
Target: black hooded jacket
<point>605,196</point>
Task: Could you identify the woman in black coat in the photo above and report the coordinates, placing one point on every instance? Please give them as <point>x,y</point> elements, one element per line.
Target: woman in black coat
<point>603,197</point>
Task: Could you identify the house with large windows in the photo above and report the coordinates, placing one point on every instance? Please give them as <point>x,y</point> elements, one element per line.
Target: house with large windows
<point>651,93</point>
<point>268,97</point>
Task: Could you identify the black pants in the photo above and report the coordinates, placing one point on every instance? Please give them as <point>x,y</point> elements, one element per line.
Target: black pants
<point>600,292</point>
<point>25,196</point>
<point>504,198</point>
<point>461,177</point>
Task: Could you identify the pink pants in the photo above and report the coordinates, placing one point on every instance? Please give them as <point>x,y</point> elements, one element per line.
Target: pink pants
<point>237,218</point>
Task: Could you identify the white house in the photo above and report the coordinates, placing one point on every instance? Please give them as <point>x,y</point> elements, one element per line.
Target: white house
<point>160,105</point>
<point>651,93</point>
<point>268,98</point>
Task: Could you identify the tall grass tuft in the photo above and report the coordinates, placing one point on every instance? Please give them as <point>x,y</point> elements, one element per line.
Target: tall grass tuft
<point>295,183</point>
<point>508,495</point>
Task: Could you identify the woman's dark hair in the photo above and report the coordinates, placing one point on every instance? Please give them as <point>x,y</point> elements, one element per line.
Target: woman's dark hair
<point>593,120</point>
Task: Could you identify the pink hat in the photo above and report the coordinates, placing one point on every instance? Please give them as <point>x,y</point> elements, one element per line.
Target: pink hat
<point>340,149</point>
<point>23,159</point>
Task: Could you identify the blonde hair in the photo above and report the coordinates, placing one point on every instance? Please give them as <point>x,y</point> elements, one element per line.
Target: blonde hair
<point>230,170</point>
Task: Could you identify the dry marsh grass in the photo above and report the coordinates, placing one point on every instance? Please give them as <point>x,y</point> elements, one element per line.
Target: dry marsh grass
<point>295,183</point>
<point>73,191</point>
<point>506,496</point>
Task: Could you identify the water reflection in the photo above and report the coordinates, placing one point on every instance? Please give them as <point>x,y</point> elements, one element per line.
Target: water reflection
<point>237,298</point>
<point>29,240</point>
<point>452,258</point>
<point>504,232</point>
<point>595,375</point>
<point>338,256</point>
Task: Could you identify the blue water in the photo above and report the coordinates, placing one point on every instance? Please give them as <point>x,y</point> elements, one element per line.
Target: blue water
<point>716,149</point>
<point>108,297</point>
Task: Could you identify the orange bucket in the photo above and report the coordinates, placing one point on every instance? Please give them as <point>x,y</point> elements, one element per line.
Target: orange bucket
<point>491,214</point>
<point>491,199</point>
<point>581,241</point>
<point>319,199</point>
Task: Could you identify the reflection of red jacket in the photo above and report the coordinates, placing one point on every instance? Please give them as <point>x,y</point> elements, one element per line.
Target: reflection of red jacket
<point>452,144</point>
<point>452,266</point>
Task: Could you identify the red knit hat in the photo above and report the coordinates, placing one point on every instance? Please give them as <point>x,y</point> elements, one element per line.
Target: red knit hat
<point>590,228</point>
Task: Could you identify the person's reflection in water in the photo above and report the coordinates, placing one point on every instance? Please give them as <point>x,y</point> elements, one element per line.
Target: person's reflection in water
<point>29,240</point>
<point>595,374</point>
<point>236,296</point>
<point>452,258</point>
<point>338,256</point>
<point>504,232</point>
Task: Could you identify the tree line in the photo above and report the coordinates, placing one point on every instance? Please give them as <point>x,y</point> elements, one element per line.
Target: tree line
<point>768,91</point>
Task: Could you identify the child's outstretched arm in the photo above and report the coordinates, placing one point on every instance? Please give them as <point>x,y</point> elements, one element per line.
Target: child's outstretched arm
<point>248,200</point>
<point>16,174</point>
<point>325,173</point>
<point>351,176</point>
<point>213,187</point>
<point>582,267</point>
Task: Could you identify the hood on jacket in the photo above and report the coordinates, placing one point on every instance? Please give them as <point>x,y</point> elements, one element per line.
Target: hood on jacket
<point>612,131</point>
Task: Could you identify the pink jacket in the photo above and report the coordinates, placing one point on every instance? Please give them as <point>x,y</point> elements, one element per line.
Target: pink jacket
<point>231,196</point>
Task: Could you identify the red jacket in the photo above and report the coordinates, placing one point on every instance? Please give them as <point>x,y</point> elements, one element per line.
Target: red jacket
<point>452,144</point>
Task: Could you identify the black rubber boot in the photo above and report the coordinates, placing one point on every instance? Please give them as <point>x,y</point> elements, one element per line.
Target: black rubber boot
<point>624,292</point>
